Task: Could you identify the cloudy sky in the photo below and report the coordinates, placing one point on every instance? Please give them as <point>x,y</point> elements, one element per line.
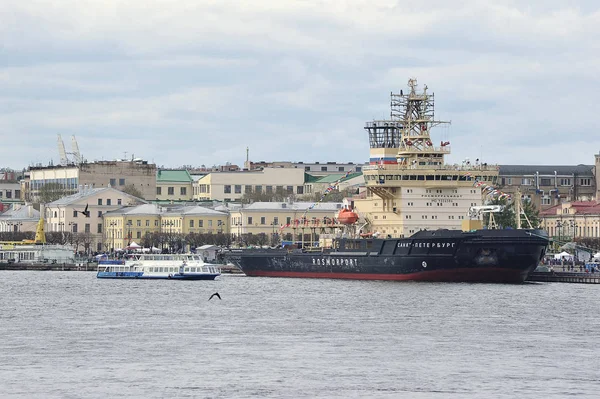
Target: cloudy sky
<point>192,82</point>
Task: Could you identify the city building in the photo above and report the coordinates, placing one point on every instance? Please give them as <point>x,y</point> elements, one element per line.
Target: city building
<point>10,191</point>
<point>278,220</point>
<point>19,218</point>
<point>175,185</point>
<point>231,186</point>
<point>549,185</point>
<point>195,219</point>
<point>81,214</point>
<point>133,224</point>
<point>133,175</point>
<point>130,223</point>
<point>313,168</point>
<point>569,220</point>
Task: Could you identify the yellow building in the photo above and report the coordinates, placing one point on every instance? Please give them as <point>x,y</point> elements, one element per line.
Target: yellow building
<point>82,214</point>
<point>130,224</point>
<point>231,186</point>
<point>280,219</point>
<point>134,224</point>
<point>175,185</point>
<point>567,221</point>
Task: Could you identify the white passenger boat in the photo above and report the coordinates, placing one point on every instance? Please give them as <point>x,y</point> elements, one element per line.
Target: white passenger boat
<point>159,266</point>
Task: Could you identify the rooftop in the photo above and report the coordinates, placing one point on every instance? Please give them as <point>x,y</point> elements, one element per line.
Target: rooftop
<point>177,176</point>
<point>295,206</point>
<point>561,170</point>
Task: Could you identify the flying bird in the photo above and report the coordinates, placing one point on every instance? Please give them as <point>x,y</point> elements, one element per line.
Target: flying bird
<point>85,212</point>
<point>215,294</point>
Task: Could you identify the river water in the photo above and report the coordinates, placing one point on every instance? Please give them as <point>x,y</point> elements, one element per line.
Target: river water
<point>70,335</point>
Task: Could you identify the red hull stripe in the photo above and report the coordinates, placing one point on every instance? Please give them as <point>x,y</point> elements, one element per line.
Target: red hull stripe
<point>491,275</point>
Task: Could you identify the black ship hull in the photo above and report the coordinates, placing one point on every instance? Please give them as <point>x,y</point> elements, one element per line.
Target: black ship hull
<point>498,256</point>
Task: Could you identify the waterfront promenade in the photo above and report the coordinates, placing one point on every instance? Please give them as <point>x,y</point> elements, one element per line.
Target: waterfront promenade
<point>565,277</point>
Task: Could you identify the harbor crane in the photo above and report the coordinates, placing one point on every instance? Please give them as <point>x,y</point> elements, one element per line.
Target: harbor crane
<point>476,211</point>
<point>77,159</point>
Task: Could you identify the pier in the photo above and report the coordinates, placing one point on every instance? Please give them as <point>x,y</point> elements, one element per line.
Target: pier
<point>565,277</point>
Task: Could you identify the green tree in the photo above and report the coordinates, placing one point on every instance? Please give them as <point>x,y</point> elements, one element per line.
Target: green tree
<point>506,218</point>
<point>51,192</point>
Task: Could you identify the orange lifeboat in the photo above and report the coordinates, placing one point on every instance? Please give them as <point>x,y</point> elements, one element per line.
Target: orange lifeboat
<point>346,216</point>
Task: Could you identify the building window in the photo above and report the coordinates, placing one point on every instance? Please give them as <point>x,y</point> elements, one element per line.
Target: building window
<point>290,189</point>
<point>147,223</point>
<point>74,214</point>
<point>158,190</point>
<point>263,220</point>
<point>238,188</point>
<point>138,223</point>
<point>138,234</point>
<point>171,191</point>
<point>99,228</point>
<point>565,182</point>
<point>275,220</point>
<point>525,181</point>
<point>192,223</point>
<point>258,189</point>
<point>99,214</point>
<point>74,228</point>
<point>121,182</point>
<point>113,182</point>
<point>269,189</point>
<point>119,201</point>
<point>545,182</point>
<point>87,227</point>
<point>247,189</point>
<point>546,200</point>
<point>227,189</point>
<point>249,219</point>
<point>359,168</point>
<point>99,201</point>
<point>307,168</point>
<point>323,168</point>
<point>300,190</point>
<point>108,201</point>
<point>210,223</point>
<point>586,182</point>
<point>200,223</point>
<point>340,168</point>
<point>288,220</point>
<point>279,189</point>
<point>182,190</point>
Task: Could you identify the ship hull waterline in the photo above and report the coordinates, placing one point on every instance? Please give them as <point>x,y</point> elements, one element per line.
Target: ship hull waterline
<point>490,257</point>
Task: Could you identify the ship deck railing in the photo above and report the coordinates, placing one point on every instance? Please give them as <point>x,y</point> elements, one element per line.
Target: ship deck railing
<point>455,167</point>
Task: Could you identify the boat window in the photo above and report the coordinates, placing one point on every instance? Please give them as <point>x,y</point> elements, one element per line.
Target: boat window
<point>369,244</point>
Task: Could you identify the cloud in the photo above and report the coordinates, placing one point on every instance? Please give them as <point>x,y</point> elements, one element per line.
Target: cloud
<point>192,82</point>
